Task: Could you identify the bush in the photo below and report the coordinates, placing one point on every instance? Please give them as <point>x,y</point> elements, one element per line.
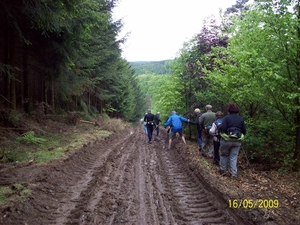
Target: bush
<point>270,143</point>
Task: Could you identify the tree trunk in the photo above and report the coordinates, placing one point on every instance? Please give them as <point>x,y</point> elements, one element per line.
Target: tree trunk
<point>296,165</point>
<point>52,96</point>
<point>6,92</point>
<point>297,147</point>
<point>13,96</point>
<point>25,79</point>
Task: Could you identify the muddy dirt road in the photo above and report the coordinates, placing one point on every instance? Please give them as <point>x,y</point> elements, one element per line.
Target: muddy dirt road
<point>119,180</point>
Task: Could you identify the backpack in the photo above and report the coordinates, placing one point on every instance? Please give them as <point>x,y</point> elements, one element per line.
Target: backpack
<point>234,132</point>
<point>218,123</point>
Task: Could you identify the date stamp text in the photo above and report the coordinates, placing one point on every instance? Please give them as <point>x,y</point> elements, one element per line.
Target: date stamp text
<point>253,203</point>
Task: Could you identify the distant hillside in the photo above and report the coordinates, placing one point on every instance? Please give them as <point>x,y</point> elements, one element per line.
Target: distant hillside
<point>151,67</point>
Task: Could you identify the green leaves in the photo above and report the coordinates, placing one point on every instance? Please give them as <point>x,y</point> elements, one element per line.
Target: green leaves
<point>261,69</point>
<point>29,138</point>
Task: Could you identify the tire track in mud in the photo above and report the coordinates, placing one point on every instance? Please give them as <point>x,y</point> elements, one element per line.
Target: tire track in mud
<point>191,202</point>
<point>97,203</point>
<point>127,188</point>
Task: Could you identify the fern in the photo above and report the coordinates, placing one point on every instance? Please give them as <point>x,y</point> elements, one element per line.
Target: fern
<point>29,137</point>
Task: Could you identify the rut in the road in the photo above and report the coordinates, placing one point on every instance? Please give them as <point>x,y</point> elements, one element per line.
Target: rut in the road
<point>190,200</point>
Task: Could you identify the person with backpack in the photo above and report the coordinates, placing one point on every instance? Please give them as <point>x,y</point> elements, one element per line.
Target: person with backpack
<point>206,120</point>
<point>175,121</point>
<point>150,124</point>
<point>157,120</point>
<point>214,130</point>
<point>232,131</point>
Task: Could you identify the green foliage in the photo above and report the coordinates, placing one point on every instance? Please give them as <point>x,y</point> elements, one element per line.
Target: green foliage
<point>29,138</point>
<point>18,191</point>
<point>258,70</point>
<point>262,79</point>
<point>152,67</point>
<point>273,148</point>
<point>46,156</point>
<point>14,116</point>
<point>163,93</point>
<point>76,54</point>
<point>57,144</point>
<point>5,192</point>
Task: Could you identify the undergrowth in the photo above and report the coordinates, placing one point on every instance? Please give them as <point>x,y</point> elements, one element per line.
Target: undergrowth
<point>18,191</point>
<point>57,139</point>
<point>29,138</point>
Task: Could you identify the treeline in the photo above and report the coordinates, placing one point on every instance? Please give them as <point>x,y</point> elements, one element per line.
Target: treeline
<point>151,67</point>
<point>250,58</point>
<point>65,54</point>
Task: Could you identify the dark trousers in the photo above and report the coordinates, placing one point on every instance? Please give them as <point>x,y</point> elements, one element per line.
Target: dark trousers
<point>150,131</point>
<point>199,137</point>
<point>157,130</point>
<point>216,152</point>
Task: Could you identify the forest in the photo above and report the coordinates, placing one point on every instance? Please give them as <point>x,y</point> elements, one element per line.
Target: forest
<point>250,57</point>
<point>67,56</point>
<point>157,67</point>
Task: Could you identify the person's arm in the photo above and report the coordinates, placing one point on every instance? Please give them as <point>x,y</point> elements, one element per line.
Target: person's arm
<point>213,129</point>
<point>183,119</point>
<point>194,122</point>
<point>167,123</point>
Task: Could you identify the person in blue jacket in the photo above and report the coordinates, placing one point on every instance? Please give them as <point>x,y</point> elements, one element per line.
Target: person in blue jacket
<point>175,121</point>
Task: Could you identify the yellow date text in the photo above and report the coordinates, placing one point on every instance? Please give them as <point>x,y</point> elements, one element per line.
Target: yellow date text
<point>253,203</point>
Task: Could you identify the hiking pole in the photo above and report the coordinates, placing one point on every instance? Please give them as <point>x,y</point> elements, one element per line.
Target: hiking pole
<point>155,128</point>
<point>248,163</point>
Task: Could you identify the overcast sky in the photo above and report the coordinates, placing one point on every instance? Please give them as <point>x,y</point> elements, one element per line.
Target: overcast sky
<point>158,28</point>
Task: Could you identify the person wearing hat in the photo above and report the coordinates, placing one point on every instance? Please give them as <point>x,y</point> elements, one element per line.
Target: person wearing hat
<point>199,127</point>
<point>206,120</point>
<point>157,120</point>
<point>216,134</point>
<point>175,121</point>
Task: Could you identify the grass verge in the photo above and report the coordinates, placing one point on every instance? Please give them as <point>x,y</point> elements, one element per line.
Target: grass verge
<point>16,191</point>
<point>54,142</point>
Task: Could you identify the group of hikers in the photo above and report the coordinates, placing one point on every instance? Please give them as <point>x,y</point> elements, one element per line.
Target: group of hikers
<point>218,136</point>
